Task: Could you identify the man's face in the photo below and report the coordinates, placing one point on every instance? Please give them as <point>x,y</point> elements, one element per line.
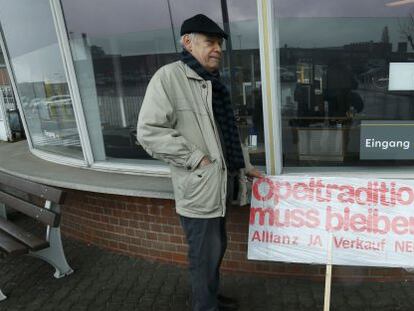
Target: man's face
<point>207,50</point>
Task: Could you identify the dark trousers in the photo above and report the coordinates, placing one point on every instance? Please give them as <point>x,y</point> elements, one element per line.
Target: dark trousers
<point>207,241</point>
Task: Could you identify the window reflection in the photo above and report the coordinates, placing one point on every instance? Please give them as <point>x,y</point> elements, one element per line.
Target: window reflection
<point>334,74</point>
<point>6,92</point>
<point>116,58</point>
<point>114,61</point>
<point>339,9</point>
<point>41,83</point>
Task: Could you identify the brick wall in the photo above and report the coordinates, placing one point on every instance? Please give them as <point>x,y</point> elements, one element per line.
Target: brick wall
<point>149,228</point>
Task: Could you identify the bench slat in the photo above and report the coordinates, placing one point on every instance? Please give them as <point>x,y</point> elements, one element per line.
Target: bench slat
<point>39,213</point>
<point>32,241</point>
<point>11,246</point>
<point>39,190</point>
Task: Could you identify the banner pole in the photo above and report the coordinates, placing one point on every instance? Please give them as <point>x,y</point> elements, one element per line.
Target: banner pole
<point>328,277</point>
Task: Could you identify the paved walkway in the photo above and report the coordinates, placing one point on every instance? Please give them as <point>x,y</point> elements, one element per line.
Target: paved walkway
<point>107,281</point>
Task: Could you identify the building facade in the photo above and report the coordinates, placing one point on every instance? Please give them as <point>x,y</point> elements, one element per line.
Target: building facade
<point>305,80</point>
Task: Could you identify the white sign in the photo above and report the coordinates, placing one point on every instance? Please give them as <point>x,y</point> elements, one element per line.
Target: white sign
<point>370,222</point>
<point>401,77</point>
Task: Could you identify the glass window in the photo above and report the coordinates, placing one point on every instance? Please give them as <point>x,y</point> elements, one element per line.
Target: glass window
<point>243,69</point>
<point>4,81</point>
<point>335,59</point>
<point>10,121</point>
<point>117,47</point>
<point>31,41</point>
<point>4,133</point>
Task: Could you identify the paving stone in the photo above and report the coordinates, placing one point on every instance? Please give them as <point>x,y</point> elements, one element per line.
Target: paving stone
<point>106,281</point>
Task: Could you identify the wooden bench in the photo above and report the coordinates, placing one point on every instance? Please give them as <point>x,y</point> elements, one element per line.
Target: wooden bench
<point>15,241</point>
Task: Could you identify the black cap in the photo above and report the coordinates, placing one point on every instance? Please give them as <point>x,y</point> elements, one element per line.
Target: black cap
<point>202,24</point>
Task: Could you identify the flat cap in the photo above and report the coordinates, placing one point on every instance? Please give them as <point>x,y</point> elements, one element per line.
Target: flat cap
<point>202,24</point>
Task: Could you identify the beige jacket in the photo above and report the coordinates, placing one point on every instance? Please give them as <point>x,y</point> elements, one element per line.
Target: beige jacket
<point>176,125</point>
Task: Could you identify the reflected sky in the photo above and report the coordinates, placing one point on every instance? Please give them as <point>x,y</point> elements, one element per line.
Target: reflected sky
<point>340,8</point>
<point>106,17</point>
<point>337,32</point>
<point>131,19</point>
<point>20,18</point>
<point>31,40</point>
<point>139,32</point>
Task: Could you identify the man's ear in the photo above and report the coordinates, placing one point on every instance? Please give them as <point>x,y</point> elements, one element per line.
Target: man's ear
<point>187,42</point>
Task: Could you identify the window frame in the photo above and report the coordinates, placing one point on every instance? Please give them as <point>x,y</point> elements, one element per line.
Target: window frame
<point>41,153</point>
<point>13,84</point>
<point>157,168</point>
<point>268,17</point>
<point>270,95</point>
<point>268,40</point>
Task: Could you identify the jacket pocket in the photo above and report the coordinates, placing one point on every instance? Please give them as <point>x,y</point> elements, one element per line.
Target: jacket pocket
<point>203,187</point>
<point>190,106</point>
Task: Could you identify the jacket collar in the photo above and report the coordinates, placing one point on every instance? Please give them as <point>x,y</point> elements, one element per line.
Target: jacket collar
<point>190,73</point>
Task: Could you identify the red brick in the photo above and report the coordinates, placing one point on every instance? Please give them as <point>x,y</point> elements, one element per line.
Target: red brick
<point>168,211</point>
<point>181,248</point>
<point>140,233</point>
<point>163,237</point>
<point>135,241</point>
<point>168,247</point>
<point>113,244</point>
<point>123,246</point>
<point>151,235</point>
<point>123,222</point>
<point>154,211</point>
<point>165,255</point>
<point>178,230</point>
<point>237,255</point>
<point>155,227</point>
<point>146,243</point>
<point>149,228</point>
<point>176,239</point>
<point>154,252</point>
<point>133,223</point>
<point>130,231</point>
<point>231,265</point>
<point>172,221</point>
<point>167,229</point>
<point>143,225</point>
<point>130,207</point>
<point>179,257</point>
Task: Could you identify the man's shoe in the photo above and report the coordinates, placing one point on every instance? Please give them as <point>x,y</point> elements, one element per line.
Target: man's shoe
<point>227,303</point>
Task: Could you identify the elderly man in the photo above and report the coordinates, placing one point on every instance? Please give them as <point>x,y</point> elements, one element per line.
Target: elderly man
<point>187,120</point>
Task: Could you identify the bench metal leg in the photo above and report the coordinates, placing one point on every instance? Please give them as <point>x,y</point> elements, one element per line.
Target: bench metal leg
<point>3,214</point>
<point>54,254</point>
<point>2,296</point>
